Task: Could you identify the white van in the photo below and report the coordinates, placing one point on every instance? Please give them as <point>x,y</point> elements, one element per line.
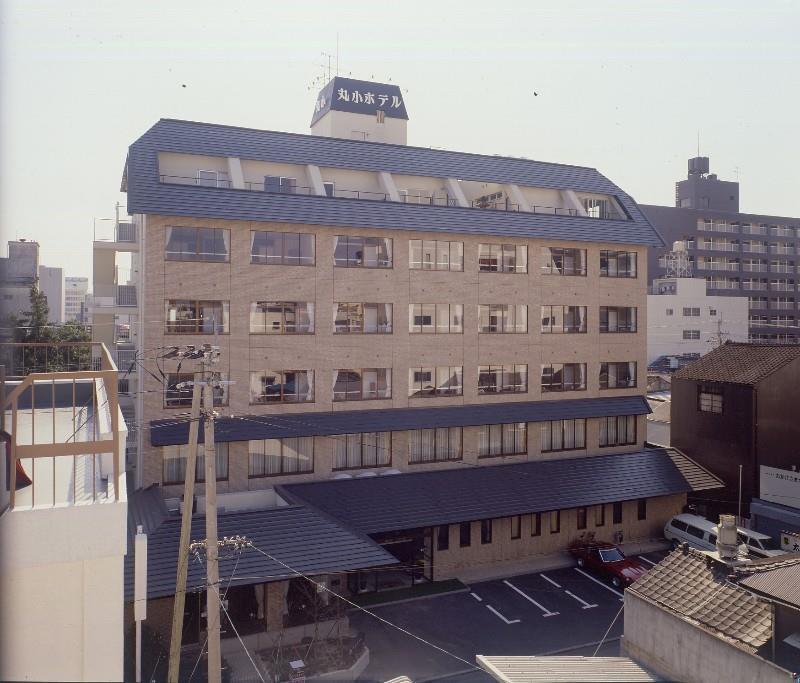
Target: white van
<point>699,532</point>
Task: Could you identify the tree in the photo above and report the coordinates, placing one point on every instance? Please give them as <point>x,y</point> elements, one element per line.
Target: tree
<point>42,350</point>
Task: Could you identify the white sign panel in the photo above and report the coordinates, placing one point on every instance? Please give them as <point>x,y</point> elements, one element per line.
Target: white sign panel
<point>780,486</point>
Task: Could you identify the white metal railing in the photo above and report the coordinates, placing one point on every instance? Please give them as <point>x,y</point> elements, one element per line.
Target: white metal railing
<point>753,230</point>
<point>754,248</point>
<point>754,286</point>
<point>781,286</point>
<point>781,249</point>
<point>754,267</point>
<point>717,246</point>
<point>781,268</point>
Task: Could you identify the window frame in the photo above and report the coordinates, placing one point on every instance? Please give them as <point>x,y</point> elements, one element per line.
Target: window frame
<point>515,527</point>
<point>443,537</point>
<point>282,458</point>
<point>616,512</point>
<point>366,242</point>
<point>509,317</point>
<point>309,311</point>
<point>387,380</point>
<point>555,522</point>
<point>620,441</point>
<point>197,256</point>
<point>451,371</point>
<point>551,425</point>
<point>181,326</point>
<point>465,534</point>
<point>614,254</point>
<point>455,319</point>
<point>281,374</point>
<point>437,264</point>
<point>436,445</point>
<point>285,259</point>
<point>605,377</point>
<point>220,393</point>
<point>387,439</point>
<point>199,473</point>
<point>388,311</point>
<point>552,328</point>
<point>503,251</point>
<point>641,509</point>
<point>548,266</point>
<point>632,326</point>
<point>508,446</point>
<point>581,517</point>
<point>711,397</point>
<point>486,532</point>
<point>503,387</point>
<point>536,524</point>
<point>577,370</point>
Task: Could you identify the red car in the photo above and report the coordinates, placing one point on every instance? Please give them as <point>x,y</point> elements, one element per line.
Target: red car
<point>609,562</point>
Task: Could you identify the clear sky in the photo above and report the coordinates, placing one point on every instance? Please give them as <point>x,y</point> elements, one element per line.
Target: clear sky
<point>622,86</point>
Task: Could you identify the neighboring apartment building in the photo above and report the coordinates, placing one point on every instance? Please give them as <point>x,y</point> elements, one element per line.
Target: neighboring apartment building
<point>682,317</point>
<point>737,407</point>
<point>693,617</point>
<point>62,516</point>
<point>18,273</point>
<point>51,284</point>
<point>456,339</point>
<point>76,289</point>
<point>752,256</point>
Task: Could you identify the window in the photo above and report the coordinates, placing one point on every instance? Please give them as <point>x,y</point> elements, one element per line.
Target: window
<point>502,318</point>
<point>563,435</point>
<point>174,471</point>
<point>360,384</point>
<point>691,334</point>
<point>357,318</point>
<point>555,522</point>
<point>198,244</point>
<point>502,258</point>
<point>502,439</point>
<point>712,312</point>
<point>581,517</point>
<point>465,534</point>
<point>536,524</point>
<point>564,377</point>
<point>691,312</point>
<point>677,524</point>
<point>178,392</point>
<point>380,116</point>
<point>617,263</point>
<point>516,527</point>
<point>439,381</point>
<point>206,178</point>
<point>597,208</point>
<point>501,379</point>
<point>435,318</point>
<point>281,317</point>
<point>434,445</point>
<point>486,531</point>
<point>599,515</point>
<point>443,537</point>
<point>362,252</point>
<point>273,183</point>
<point>618,375</point>
<point>282,248</point>
<point>641,509</point>
<point>357,451</point>
<point>274,457</point>
<point>616,513</point>
<point>189,316</point>
<point>617,319</point>
<point>709,399</point>
<point>330,188</point>
<point>281,386</point>
<point>619,430</point>
<point>558,261</point>
<point>435,255</point>
<point>669,311</point>
<point>563,319</point>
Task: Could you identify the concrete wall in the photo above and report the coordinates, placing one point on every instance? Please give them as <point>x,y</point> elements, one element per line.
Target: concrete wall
<point>241,282</point>
<point>677,650</point>
<point>51,284</point>
<point>61,578</point>
<point>665,330</point>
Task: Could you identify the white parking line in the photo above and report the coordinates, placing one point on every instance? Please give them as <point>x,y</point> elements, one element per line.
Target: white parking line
<point>547,612</point>
<point>600,583</point>
<point>585,604</point>
<point>547,578</point>
<point>477,597</point>
<point>496,613</point>
<point>650,562</point>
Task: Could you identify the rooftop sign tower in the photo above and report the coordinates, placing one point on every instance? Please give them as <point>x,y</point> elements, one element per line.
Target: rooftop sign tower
<point>360,110</point>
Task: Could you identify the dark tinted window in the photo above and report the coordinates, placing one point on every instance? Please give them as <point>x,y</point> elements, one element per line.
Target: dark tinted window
<point>443,538</point>
<point>465,534</point>
<point>694,531</point>
<point>677,524</point>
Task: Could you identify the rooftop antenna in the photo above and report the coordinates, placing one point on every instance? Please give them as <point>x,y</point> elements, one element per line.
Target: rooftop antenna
<point>337,53</point>
<point>698,143</point>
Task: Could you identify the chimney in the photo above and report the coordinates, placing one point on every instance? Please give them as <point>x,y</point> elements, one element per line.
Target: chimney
<point>727,539</point>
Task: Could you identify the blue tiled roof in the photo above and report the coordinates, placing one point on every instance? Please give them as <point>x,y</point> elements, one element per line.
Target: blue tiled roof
<point>301,537</point>
<point>147,195</point>
<point>423,499</point>
<point>170,432</point>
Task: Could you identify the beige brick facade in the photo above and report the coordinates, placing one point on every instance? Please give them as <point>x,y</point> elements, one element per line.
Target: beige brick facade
<point>240,283</point>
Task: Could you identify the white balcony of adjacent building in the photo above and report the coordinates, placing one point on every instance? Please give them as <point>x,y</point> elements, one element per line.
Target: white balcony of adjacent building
<point>118,297</point>
<point>717,226</point>
<point>782,285</point>
<point>754,248</point>
<point>782,249</point>
<point>748,229</point>
<point>754,285</point>
<point>717,264</point>
<point>778,231</point>
<point>780,267</point>
<point>61,409</point>
<point>721,283</point>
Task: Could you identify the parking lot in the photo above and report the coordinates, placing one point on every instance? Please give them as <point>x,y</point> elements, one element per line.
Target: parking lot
<point>566,609</point>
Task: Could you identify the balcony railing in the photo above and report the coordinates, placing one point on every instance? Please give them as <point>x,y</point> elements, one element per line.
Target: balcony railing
<point>717,246</point>
<point>717,266</point>
<point>406,197</point>
<point>124,232</point>
<point>776,249</point>
<point>755,286</point>
<point>781,268</point>
<point>60,407</point>
<point>781,287</point>
<point>753,230</point>
<point>722,284</point>
<point>754,248</point>
<point>754,267</point>
<point>112,296</point>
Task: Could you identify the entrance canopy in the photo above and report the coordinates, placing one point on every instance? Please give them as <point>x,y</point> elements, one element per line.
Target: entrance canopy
<point>424,499</point>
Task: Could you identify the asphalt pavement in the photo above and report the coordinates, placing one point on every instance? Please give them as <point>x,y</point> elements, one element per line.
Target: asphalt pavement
<point>565,610</point>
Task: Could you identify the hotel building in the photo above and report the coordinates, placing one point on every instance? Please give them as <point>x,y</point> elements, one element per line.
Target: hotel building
<point>443,351</point>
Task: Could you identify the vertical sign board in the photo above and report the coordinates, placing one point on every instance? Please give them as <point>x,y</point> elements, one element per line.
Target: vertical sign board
<point>140,576</point>
<point>780,486</point>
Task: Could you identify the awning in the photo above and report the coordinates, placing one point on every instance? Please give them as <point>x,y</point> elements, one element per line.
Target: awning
<point>170,432</point>
<point>422,499</point>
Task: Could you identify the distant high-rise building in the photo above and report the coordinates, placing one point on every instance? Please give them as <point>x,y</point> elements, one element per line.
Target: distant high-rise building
<point>75,292</point>
<point>18,273</point>
<point>753,256</point>
<point>51,284</point>
<point>703,190</point>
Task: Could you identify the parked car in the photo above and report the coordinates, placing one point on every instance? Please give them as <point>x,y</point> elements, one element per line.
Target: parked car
<point>608,562</point>
<point>701,533</point>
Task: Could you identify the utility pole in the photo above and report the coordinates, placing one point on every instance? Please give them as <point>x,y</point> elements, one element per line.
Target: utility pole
<point>212,551</point>
<point>186,528</point>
